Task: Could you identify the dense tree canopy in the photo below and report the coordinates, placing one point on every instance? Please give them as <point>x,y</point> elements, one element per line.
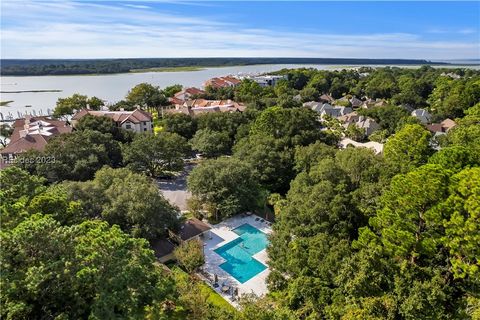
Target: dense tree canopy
<point>156,155</point>
<point>297,126</point>
<point>67,106</point>
<point>127,199</point>
<point>147,96</point>
<point>83,271</point>
<point>225,186</point>
<point>408,148</point>
<point>211,143</point>
<point>181,124</point>
<point>357,235</point>
<point>267,156</point>
<point>75,156</point>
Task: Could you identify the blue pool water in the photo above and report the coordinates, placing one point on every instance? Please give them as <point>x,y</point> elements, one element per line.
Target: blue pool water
<point>238,253</point>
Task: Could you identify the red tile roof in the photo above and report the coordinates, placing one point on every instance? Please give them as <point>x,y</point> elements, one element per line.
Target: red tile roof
<point>135,116</point>
<point>33,133</point>
<point>222,82</point>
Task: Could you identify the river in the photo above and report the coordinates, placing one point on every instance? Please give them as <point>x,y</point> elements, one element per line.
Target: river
<point>113,87</point>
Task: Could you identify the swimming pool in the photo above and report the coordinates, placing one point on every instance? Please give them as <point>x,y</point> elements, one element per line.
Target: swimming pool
<point>239,253</point>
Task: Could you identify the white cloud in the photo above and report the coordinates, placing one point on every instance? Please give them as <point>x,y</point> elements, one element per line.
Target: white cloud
<point>136,6</point>
<point>98,30</point>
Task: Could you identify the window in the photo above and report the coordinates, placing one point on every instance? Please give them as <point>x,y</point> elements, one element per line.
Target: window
<point>128,126</point>
<point>144,129</point>
<point>144,123</point>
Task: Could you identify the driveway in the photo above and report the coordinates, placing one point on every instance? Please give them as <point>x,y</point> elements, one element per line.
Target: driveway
<point>175,190</point>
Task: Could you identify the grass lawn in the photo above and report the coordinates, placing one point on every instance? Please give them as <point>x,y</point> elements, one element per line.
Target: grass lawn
<point>213,297</point>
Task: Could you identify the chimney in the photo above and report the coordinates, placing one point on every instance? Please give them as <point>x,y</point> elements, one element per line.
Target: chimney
<point>26,124</point>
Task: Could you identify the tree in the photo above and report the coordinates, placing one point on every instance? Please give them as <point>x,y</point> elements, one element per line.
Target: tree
<point>133,202</point>
<point>171,90</point>
<point>192,296</point>
<point>54,202</point>
<point>319,82</point>
<point>388,117</point>
<point>248,91</point>
<point>355,133</point>
<point>381,85</point>
<point>462,231</point>
<point>296,126</point>
<point>452,97</point>
<point>308,156</point>
<point>225,186</point>
<point>181,124</point>
<point>455,158</point>
<point>379,136</point>
<point>408,148</point>
<point>78,155</point>
<point>67,106</point>
<point>412,92</point>
<point>225,122</point>
<point>5,133</point>
<point>104,125</point>
<point>190,255</point>
<point>122,105</point>
<point>147,96</point>
<point>157,155</point>
<point>309,94</point>
<point>211,143</point>
<point>410,227</point>
<point>17,183</point>
<point>83,271</point>
<point>101,124</point>
<point>271,160</point>
<point>467,132</point>
<point>95,103</point>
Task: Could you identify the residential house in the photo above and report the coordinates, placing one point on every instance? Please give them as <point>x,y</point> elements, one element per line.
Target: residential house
<point>326,109</point>
<point>441,127</point>
<point>187,93</point>
<point>369,125</point>
<point>137,120</point>
<point>372,103</point>
<point>32,133</point>
<point>423,115</point>
<point>326,98</point>
<point>199,106</point>
<point>222,82</point>
<point>266,80</point>
<point>192,229</point>
<point>349,118</point>
<point>355,102</point>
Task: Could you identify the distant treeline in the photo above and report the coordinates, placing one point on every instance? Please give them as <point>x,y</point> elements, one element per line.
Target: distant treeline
<point>18,67</point>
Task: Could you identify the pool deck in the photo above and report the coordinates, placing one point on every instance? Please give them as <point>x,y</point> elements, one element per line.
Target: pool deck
<point>221,234</point>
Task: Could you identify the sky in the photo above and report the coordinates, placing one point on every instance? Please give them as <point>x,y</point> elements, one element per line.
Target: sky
<point>32,29</point>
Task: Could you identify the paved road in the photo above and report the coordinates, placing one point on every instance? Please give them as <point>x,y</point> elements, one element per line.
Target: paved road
<point>175,190</point>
